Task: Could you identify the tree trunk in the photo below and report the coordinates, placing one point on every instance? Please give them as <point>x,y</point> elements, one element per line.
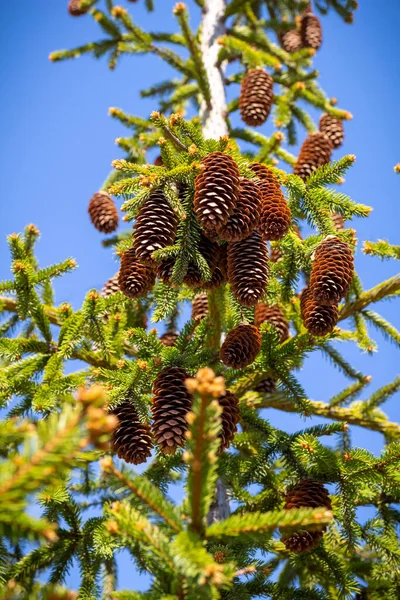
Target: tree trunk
<point>214,126</point>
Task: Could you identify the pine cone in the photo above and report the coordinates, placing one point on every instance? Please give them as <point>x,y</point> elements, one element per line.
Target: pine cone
<point>158,161</point>
<point>319,320</point>
<point>315,152</point>
<point>311,31</point>
<point>241,346</point>
<point>75,10</point>
<point>200,307</point>
<point>103,212</point>
<point>164,270</point>
<point>310,494</point>
<point>332,271</point>
<point>291,41</point>
<point>169,338</point>
<point>155,227</point>
<point>216,190</point>
<point>266,386</point>
<point>220,273</point>
<point>171,403</point>
<point>333,128</point>
<point>245,215</point>
<point>134,279</point>
<point>248,269</point>
<point>273,315</point>
<point>111,287</point>
<point>275,217</point>
<point>131,440</point>
<point>338,222</point>
<point>230,418</point>
<point>210,251</point>
<point>256,97</point>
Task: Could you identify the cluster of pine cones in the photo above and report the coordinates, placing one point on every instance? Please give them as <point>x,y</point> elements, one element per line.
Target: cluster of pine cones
<point>306,34</point>
<point>133,438</point>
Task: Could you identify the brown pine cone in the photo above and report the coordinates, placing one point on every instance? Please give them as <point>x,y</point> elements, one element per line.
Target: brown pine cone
<point>155,227</point>
<point>134,279</point>
<point>210,251</point>
<point>309,494</point>
<point>273,315</point>
<point>103,212</point>
<point>131,439</point>
<point>75,10</point>
<point>171,403</point>
<point>245,215</point>
<point>256,97</point>
<point>169,338</point>
<point>319,320</point>
<point>291,41</point>
<point>164,270</point>
<point>158,161</point>
<point>230,417</point>
<point>266,386</point>
<point>338,222</point>
<point>216,190</point>
<point>315,152</point>
<point>310,31</point>
<point>248,269</point>
<point>111,287</point>
<point>241,346</point>
<point>200,307</point>
<point>332,271</point>
<point>333,128</point>
<point>275,217</point>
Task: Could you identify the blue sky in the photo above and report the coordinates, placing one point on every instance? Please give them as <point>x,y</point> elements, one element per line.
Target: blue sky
<point>57,145</point>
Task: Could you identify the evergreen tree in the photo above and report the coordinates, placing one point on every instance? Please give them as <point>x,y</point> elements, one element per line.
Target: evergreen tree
<point>266,514</point>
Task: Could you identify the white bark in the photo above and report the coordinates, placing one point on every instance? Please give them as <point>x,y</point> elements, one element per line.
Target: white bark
<point>213,26</point>
<point>214,126</point>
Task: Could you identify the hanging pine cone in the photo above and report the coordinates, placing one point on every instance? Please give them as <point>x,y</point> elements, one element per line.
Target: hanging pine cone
<point>103,212</point>
<point>220,272</point>
<point>241,346</point>
<point>111,287</point>
<point>171,403</point>
<point>273,315</point>
<point>266,386</point>
<point>256,96</point>
<point>210,252</point>
<point>169,338</point>
<point>131,439</point>
<point>248,269</point>
<point>332,127</point>
<point>338,222</point>
<point>75,10</point>
<point>230,418</point>
<point>319,320</point>
<point>200,307</point>
<point>310,30</point>
<point>155,227</point>
<point>158,161</point>
<point>332,271</point>
<point>308,494</point>
<point>164,270</point>
<point>245,215</point>
<point>291,41</point>
<point>315,152</point>
<point>134,279</point>
<point>216,190</point>
<point>275,216</point>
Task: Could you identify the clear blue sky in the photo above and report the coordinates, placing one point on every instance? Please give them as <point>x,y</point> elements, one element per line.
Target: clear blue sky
<point>57,144</point>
